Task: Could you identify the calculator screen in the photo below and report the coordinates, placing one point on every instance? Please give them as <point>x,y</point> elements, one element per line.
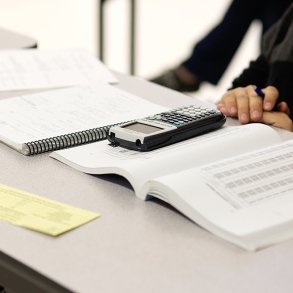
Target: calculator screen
<point>144,128</point>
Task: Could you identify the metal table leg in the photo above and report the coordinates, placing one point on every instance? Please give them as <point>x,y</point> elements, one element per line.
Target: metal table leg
<point>132,48</point>
<point>132,24</point>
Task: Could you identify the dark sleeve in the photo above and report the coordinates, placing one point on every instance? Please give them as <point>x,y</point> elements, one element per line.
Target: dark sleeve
<point>280,76</point>
<point>257,73</point>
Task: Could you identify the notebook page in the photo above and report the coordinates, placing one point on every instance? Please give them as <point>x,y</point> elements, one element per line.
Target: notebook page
<point>35,69</point>
<point>48,114</point>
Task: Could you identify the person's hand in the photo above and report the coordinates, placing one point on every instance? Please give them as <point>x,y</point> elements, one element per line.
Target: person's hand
<point>246,105</point>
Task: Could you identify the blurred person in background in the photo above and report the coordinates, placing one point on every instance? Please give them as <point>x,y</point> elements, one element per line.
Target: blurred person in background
<point>212,55</point>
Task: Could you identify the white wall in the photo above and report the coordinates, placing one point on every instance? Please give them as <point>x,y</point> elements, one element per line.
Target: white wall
<point>166,31</point>
<point>54,23</point>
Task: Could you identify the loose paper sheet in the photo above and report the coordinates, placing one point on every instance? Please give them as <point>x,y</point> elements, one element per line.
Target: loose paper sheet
<point>35,69</point>
<point>39,213</point>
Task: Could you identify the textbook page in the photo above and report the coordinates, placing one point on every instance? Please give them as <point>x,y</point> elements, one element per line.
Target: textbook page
<point>35,69</point>
<point>58,112</point>
<point>246,199</point>
<point>139,167</point>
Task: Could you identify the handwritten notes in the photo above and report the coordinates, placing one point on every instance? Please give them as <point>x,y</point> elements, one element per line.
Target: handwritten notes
<point>49,114</point>
<point>39,213</point>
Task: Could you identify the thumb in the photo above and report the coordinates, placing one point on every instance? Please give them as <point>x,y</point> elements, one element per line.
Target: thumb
<point>277,119</point>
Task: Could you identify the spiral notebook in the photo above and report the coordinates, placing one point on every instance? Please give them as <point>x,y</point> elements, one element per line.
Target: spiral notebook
<point>53,120</point>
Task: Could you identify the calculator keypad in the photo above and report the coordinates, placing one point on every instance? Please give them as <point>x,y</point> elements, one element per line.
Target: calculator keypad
<point>184,115</point>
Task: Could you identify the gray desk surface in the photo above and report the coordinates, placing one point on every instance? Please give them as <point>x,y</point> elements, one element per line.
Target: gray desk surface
<point>13,40</point>
<point>135,246</point>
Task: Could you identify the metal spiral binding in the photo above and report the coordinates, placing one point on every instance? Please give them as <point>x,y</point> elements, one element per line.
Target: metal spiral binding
<point>68,140</point>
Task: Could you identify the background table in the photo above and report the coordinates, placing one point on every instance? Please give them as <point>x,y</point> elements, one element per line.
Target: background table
<point>13,40</point>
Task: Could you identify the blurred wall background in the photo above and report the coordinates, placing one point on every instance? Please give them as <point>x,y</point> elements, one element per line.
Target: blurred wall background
<point>166,31</point>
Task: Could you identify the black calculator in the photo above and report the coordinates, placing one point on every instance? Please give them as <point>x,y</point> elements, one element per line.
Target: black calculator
<point>166,128</point>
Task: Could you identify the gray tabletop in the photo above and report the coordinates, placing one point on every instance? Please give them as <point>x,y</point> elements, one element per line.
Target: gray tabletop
<point>12,40</point>
<point>135,246</point>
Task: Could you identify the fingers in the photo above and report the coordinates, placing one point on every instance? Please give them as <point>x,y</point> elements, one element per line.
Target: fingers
<point>242,100</point>
<point>255,104</point>
<point>242,103</point>
<point>283,107</point>
<point>270,99</point>
<point>246,104</point>
<point>228,104</point>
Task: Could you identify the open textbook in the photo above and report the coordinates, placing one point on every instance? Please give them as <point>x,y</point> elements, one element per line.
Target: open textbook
<point>52,120</point>
<point>36,69</point>
<point>236,182</point>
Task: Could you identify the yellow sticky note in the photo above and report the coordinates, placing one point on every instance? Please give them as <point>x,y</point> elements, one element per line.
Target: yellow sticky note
<point>40,214</point>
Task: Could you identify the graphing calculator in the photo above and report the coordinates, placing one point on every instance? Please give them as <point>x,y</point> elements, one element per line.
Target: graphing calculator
<point>165,128</point>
